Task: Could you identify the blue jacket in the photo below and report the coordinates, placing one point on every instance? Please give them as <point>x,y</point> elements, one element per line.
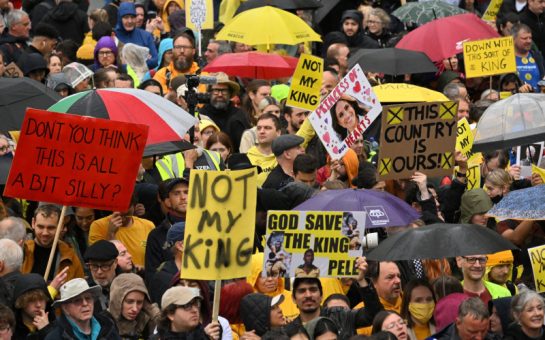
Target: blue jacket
<point>137,36</point>
<point>164,46</point>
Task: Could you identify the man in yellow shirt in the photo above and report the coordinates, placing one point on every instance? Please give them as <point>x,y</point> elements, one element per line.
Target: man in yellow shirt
<point>268,129</point>
<point>132,231</point>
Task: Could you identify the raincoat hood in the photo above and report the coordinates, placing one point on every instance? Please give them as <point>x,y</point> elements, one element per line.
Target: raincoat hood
<point>355,15</point>
<point>164,12</point>
<point>28,282</point>
<point>255,310</point>
<point>104,42</point>
<point>165,45</point>
<point>474,202</point>
<point>121,286</point>
<point>125,8</point>
<point>257,268</point>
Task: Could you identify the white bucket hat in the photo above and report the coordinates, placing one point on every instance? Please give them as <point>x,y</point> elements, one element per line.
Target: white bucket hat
<point>76,287</point>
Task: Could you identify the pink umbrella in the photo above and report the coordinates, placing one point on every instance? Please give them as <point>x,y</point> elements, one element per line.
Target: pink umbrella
<point>253,65</point>
<point>443,38</point>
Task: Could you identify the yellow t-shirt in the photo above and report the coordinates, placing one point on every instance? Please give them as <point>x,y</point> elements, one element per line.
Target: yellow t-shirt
<point>266,162</point>
<point>133,237</point>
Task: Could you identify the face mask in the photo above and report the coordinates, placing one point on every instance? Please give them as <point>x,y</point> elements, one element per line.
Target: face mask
<point>422,311</point>
<point>497,199</point>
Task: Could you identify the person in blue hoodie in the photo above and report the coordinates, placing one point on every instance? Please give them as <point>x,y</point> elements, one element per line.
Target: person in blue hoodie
<point>127,32</point>
<point>165,56</point>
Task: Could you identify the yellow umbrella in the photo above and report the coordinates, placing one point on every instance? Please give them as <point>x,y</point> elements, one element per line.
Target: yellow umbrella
<point>404,93</point>
<point>267,25</point>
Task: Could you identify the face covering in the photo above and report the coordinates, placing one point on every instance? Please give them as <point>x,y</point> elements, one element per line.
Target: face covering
<point>497,199</point>
<point>422,312</point>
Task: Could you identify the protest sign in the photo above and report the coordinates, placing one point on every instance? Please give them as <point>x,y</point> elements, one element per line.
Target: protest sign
<point>417,137</point>
<point>199,14</point>
<point>76,161</point>
<point>219,229</point>
<point>306,82</point>
<point>537,258</point>
<point>489,57</point>
<point>464,138</point>
<point>492,10</point>
<point>313,243</point>
<point>338,134</point>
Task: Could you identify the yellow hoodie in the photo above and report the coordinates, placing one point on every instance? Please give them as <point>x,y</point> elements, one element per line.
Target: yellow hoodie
<point>266,162</point>
<point>289,308</point>
<point>164,12</point>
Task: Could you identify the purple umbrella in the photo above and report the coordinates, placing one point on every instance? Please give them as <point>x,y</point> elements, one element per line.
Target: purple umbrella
<point>383,209</point>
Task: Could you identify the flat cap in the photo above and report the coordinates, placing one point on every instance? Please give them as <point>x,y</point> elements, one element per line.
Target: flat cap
<point>285,142</point>
<point>101,250</point>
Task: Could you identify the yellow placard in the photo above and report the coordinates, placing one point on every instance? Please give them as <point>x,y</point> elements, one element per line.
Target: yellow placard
<point>492,10</point>
<point>537,258</point>
<point>313,243</point>
<point>220,223</point>
<point>199,14</point>
<point>505,94</point>
<point>489,57</point>
<point>539,171</point>
<point>305,85</point>
<point>464,138</point>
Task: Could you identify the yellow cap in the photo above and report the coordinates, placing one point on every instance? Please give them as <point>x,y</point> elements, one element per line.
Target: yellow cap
<point>497,259</point>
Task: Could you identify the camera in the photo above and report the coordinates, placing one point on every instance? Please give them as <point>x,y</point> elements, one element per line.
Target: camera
<point>193,97</point>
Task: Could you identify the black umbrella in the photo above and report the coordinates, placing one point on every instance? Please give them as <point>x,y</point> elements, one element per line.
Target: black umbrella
<point>392,61</point>
<point>167,148</point>
<point>328,16</point>
<point>438,241</point>
<point>17,95</point>
<point>283,4</point>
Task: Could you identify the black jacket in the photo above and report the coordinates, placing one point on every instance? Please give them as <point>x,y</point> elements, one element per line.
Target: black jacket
<point>196,334</point>
<point>220,117</point>
<point>62,329</point>
<point>69,20</point>
<point>235,128</point>
<point>514,332</point>
<point>255,311</point>
<point>537,25</point>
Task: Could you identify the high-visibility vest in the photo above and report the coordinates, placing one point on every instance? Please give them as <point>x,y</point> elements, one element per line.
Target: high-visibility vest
<point>173,166</point>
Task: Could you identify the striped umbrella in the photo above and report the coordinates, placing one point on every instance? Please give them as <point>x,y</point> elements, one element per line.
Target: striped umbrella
<point>167,121</point>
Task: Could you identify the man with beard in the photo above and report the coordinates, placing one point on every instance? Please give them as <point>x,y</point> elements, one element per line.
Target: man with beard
<point>123,226</point>
<point>183,54</point>
<point>220,108</point>
<point>473,270</point>
<point>295,118</point>
<point>307,294</point>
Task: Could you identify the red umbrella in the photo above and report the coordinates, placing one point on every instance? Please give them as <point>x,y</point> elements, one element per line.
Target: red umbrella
<point>253,65</point>
<point>443,38</point>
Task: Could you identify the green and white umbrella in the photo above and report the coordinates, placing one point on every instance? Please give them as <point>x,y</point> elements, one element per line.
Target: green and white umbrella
<point>425,11</point>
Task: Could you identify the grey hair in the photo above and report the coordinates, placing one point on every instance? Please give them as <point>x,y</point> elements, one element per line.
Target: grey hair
<point>474,307</point>
<point>11,254</point>
<point>520,27</point>
<point>520,300</point>
<point>452,91</point>
<point>223,46</point>
<point>13,228</point>
<point>14,17</point>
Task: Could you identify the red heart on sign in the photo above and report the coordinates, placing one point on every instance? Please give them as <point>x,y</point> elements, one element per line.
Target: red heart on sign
<point>335,150</point>
<point>326,137</point>
<point>357,87</point>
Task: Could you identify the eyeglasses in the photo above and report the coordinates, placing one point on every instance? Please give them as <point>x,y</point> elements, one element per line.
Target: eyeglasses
<point>104,267</point>
<point>182,47</point>
<point>473,260</point>
<point>189,306</point>
<point>80,299</point>
<point>104,53</point>
<point>392,325</point>
<point>218,91</point>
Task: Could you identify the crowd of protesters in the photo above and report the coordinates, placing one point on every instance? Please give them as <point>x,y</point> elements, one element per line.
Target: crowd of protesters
<point>117,275</point>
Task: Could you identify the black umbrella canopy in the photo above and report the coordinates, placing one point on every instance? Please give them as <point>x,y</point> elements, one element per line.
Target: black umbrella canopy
<point>392,61</point>
<point>5,165</point>
<point>167,148</point>
<point>17,95</point>
<point>282,4</point>
<point>438,241</point>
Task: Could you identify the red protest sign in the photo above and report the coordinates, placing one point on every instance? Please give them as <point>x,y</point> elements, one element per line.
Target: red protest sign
<point>77,161</point>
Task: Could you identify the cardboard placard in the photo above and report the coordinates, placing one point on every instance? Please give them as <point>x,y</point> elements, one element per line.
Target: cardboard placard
<point>306,82</point>
<point>199,14</point>
<point>492,10</point>
<point>76,161</point>
<point>464,138</point>
<point>489,57</point>
<point>356,86</point>
<point>219,229</point>
<point>331,242</point>
<point>417,137</point>
<point>537,259</point>
<point>13,71</point>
